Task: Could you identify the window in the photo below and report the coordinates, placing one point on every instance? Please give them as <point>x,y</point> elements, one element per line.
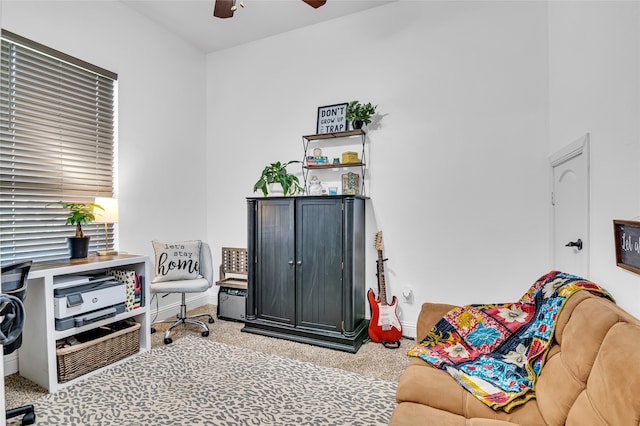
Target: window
<point>57,131</point>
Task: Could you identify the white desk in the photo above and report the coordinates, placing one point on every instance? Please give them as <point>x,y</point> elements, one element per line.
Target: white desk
<point>37,356</point>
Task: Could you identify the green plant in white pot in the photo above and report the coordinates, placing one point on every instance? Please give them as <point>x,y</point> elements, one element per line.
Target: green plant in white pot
<point>79,214</point>
<point>276,173</point>
<point>359,114</point>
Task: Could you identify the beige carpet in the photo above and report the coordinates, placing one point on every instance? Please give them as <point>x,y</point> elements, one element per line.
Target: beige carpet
<point>200,382</point>
<point>372,360</point>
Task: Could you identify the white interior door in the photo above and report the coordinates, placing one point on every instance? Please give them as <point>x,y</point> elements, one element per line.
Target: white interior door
<point>570,202</point>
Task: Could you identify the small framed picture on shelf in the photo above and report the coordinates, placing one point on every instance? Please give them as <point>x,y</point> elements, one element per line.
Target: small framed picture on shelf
<point>351,184</point>
<point>332,118</point>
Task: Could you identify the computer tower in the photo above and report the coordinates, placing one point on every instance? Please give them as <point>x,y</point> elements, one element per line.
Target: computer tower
<point>232,304</point>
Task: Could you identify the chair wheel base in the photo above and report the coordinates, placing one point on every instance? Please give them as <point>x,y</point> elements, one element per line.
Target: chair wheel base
<point>153,330</point>
<point>167,340</point>
<point>205,333</point>
<point>29,419</point>
<point>211,321</point>
<point>26,411</point>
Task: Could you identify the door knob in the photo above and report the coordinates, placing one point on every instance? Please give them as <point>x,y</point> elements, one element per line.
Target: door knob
<point>576,244</point>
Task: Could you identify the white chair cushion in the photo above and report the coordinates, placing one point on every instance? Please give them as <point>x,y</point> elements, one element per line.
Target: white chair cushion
<point>197,285</point>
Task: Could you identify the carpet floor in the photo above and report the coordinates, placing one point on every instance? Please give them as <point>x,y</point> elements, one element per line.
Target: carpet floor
<point>379,366</point>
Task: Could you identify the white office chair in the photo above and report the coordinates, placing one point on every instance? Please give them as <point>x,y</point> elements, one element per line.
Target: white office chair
<point>197,285</point>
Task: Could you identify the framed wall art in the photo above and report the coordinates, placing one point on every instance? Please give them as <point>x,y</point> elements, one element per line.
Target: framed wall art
<point>332,118</point>
<point>627,240</point>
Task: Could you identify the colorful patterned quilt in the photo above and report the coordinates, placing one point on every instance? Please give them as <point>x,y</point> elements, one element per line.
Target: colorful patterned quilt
<point>496,351</point>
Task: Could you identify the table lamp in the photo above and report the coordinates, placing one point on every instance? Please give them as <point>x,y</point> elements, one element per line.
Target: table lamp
<point>106,216</point>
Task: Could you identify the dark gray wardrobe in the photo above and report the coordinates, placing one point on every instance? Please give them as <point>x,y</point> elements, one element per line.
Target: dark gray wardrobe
<point>307,270</point>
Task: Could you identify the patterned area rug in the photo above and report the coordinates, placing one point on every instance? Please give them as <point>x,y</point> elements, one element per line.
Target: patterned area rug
<point>198,382</point>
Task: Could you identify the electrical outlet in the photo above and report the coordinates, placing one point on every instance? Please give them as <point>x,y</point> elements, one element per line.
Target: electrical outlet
<point>407,295</point>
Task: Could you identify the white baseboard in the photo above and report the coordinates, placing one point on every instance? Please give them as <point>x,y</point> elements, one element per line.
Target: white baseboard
<point>409,330</point>
<point>11,363</point>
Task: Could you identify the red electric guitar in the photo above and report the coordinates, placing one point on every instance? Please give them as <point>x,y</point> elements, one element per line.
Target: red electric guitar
<point>384,326</point>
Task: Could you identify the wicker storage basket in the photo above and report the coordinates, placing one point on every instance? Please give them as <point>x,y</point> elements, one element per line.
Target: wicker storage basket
<point>76,360</point>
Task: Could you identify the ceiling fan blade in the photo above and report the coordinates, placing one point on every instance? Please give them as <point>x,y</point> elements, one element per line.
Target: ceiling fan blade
<point>315,3</point>
<point>223,8</point>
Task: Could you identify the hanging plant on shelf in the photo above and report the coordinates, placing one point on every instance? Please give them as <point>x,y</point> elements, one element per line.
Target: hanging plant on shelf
<point>359,114</point>
<point>276,173</point>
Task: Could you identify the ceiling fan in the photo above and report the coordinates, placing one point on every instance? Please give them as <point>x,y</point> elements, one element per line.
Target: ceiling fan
<point>225,8</point>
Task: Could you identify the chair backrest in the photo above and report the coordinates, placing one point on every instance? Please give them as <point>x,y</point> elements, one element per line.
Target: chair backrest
<point>14,278</point>
<point>206,263</point>
<point>234,261</point>
<point>14,283</point>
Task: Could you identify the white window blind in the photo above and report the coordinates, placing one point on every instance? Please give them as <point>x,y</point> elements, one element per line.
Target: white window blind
<point>56,143</point>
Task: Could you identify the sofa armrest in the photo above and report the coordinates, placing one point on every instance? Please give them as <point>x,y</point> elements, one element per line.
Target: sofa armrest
<point>429,316</point>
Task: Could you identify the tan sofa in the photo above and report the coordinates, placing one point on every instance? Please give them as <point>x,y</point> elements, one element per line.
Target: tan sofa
<point>591,377</point>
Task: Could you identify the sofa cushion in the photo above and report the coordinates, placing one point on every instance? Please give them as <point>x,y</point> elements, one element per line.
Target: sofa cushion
<point>615,377</point>
<point>589,340</point>
<point>426,385</point>
<point>430,314</point>
<point>411,414</point>
<point>587,380</point>
<point>582,329</point>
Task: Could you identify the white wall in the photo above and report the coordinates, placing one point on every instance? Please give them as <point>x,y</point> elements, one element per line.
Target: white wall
<point>594,68</point>
<point>473,98</point>
<point>161,134</point>
<point>458,161</point>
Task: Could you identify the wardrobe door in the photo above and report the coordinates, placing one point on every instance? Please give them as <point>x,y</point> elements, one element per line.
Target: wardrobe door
<point>319,263</point>
<point>275,261</point>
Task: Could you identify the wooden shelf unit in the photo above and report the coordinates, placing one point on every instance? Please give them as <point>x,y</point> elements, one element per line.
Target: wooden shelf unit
<point>37,356</point>
<point>332,135</point>
<point>361,165</point>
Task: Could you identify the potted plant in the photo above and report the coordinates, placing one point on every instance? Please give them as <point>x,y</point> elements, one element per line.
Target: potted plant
<point>359,114</point>
<point>276,173</point>
<point>79,214</point>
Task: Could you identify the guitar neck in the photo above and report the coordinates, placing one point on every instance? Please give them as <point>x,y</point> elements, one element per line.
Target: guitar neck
<point>381,284</point>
